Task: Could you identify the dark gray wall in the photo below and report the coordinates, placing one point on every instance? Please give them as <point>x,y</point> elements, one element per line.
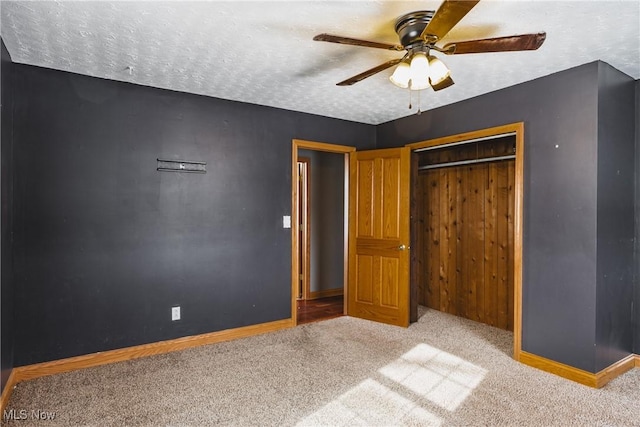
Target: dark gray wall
<point>560,158</point>
<point>327,219</point>
<point>105,244</point>
<point>6,271</point>
<point>616,149</point>
<point>636,306</point>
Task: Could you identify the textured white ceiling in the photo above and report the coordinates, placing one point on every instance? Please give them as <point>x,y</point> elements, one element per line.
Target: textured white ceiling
<point>263,53</point>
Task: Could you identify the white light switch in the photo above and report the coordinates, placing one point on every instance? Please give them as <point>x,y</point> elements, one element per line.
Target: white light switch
<point>286,221</point>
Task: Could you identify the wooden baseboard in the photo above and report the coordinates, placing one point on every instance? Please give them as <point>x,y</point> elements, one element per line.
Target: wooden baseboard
<point>326,293</point>
<point>24,373</point>
<point>6,392</point>
<point>596,380</point>
<point>615,370</point>
<point>560,369</point>
<point>8,389</point>
<point>637,360</point>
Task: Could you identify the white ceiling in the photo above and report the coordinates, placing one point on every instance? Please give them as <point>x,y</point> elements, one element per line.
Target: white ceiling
<point>262,52</point>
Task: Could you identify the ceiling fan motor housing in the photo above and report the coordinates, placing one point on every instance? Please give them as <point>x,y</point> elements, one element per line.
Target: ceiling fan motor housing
<point>410,26</point>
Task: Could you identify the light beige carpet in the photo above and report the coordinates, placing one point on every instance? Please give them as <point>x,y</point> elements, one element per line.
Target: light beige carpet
<point>442,371</point>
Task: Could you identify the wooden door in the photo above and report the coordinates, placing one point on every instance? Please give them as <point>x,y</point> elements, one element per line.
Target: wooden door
<point>379,236</point>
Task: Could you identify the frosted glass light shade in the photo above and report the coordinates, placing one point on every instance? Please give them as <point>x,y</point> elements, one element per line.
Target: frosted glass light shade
<point>401,75</point>
<point>438,72</point>
<point>419,71</point>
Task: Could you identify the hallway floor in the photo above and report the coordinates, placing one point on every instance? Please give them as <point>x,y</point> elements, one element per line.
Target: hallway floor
<point>320,309</point>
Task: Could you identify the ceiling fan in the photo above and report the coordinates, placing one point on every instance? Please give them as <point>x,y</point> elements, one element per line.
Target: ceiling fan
<point>419,32</point>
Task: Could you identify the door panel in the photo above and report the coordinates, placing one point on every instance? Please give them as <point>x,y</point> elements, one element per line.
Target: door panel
<point>365,198</point>
<point>379,236</point>
<point>364,266</point>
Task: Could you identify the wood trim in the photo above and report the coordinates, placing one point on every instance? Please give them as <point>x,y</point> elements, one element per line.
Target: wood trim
<point>345,245</point>
<point>615,370</point>
<point>596,380</point>
<point>560,369</point>
<point>518,220</point>
<point>518,231</point>
<point>297,144</point>
<point>414,261</point>
<point>306,239</point>
<point>37,370</point>
<point>482,133</point>
<point>7,391</point>
<point>326,293</point>
<point>637,357</point>
<point>295,233</point>
<point>323,146</point>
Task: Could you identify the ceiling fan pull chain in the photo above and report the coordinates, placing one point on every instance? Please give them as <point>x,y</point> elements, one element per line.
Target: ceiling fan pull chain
<point>410,106</point>
<point>419,103</point>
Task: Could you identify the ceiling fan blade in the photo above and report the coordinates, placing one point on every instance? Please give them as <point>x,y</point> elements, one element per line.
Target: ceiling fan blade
<point>497,44</point>
<point>356,42</point>
<point>446,17</point>
<point>443,84</point>
<point>369,73</point>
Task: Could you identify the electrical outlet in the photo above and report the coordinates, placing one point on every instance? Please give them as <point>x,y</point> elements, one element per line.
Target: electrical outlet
<point>175,313</point>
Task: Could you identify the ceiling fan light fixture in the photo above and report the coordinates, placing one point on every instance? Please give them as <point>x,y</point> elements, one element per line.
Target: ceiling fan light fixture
<point>419,71</point>
<point>401,75</point>
<point>438,72</point>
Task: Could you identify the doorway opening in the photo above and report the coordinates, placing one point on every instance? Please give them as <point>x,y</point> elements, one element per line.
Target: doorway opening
<point>466,234</point>
<point>464,230</point>
<point>319,235</point>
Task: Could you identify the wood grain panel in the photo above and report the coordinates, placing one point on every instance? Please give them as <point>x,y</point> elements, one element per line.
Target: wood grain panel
<point>389,282</point>
<point>467,236</point>
<point>503,248</point>
<point>510,244</point>
<point>377,214</point>
<point>416,269</point>
<point>431,192</point>
<point>366,175</point>
<point>452,241</point>
<point>445,242</point>
<point>390,198</point>
<point>462,242</point>
<point>477,177</point>
<point>491,249</point>
<point>368,246</point>
<point>366,276</point>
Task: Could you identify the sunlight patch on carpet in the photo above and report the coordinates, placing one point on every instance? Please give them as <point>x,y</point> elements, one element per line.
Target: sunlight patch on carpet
<point>371,403</point>
<point>424,373</point>
<point>438,376</point>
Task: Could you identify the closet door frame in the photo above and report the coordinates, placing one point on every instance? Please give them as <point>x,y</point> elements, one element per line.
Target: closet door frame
<point>516,129</point>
